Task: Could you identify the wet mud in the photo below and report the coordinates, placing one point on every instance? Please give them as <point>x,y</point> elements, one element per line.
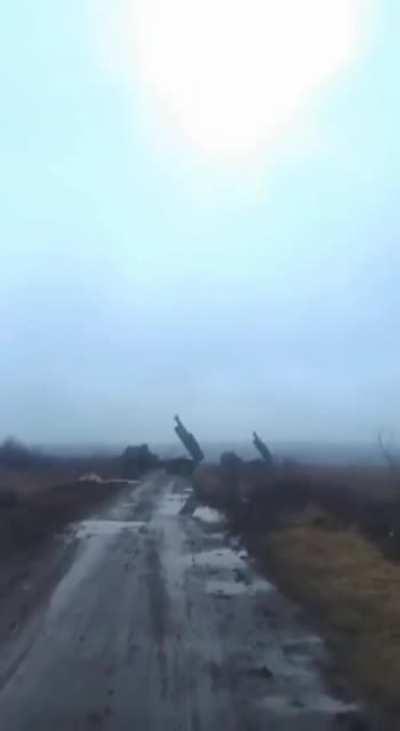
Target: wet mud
<point>160,621</point>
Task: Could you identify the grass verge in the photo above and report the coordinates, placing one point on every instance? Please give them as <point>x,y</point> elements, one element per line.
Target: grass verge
<point>356,592</point>
<point>331,539</point>
<point>28,519</point>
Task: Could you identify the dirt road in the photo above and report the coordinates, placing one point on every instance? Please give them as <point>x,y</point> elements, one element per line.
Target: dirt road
<point>161,623</point>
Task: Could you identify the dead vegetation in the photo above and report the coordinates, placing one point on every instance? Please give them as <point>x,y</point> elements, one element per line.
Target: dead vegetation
<point>39,494</point>
<point>27,518</point>
<point>257,498</point>
<point>331,537</point>
<point>356,591</point>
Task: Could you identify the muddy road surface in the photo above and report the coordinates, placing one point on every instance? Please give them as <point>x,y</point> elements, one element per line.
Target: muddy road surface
<point>159,622</point>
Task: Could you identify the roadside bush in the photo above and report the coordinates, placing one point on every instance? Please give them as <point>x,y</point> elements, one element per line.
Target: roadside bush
<point>15,455</point>
<point>136,460</point>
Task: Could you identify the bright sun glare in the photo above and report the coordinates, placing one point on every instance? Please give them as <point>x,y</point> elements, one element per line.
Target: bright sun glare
<point>230,74</point>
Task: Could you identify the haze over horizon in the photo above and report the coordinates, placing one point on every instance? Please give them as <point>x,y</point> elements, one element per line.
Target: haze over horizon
<point>191,229</point>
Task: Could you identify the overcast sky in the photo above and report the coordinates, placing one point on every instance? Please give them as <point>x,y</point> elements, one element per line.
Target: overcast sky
<point>188,226</point>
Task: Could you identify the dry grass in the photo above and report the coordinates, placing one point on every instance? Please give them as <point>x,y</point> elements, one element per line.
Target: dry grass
<point>28,482</point>
<point>356,591</point>
<point>30,519</point>
<point>40,494</point>
<point>325,532</point>
<point>37,502</point>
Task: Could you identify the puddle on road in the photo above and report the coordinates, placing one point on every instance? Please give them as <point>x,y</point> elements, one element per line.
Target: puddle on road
<point>208,515</point>
<point>231,588</point>
<point>229,577</point>
<point>122,511</point>
<point>303,643</point>
<point>96,528</point>
<point>226,588</point>
<point>171,505</point>
<point>227,573</point>
<point>231,574</point>
<point>97,536</point>
<point>219,559</point>
<point>320,703</point>
<point>331,706</point>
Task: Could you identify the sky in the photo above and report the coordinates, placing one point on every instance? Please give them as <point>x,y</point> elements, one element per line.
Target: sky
<point>199,215</point>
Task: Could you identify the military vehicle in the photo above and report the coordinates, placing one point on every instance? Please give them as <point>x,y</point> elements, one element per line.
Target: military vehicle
<point>189,441</point>
<point>262,449</point>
